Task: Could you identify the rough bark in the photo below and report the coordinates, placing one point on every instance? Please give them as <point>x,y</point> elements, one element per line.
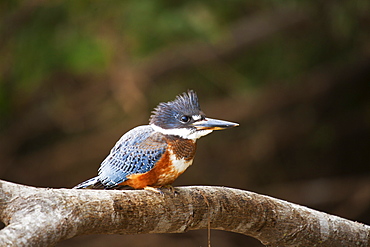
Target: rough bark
<point>43,217</point>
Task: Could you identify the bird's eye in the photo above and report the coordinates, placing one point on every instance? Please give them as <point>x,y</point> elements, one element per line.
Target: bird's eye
<point>185,119</point>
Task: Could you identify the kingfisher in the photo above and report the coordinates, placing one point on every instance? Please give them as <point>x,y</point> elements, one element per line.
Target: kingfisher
<point>153,156</point>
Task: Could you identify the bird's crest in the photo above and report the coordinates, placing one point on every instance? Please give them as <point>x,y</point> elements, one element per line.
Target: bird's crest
<point>185,104</point>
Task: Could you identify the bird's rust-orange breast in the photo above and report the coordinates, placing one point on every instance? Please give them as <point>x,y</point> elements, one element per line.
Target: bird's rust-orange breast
<point>177,158</point>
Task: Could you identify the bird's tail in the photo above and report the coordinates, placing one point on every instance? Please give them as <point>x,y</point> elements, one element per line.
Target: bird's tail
<point>92,183</point>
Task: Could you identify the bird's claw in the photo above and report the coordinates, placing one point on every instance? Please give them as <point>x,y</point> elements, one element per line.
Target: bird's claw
<point>172,189</point>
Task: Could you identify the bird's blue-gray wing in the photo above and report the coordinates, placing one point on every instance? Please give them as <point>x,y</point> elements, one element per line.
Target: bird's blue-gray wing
<point>136,152</point>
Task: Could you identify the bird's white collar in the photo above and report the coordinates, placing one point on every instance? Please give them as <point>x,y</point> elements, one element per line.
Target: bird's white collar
<point>185,133</point>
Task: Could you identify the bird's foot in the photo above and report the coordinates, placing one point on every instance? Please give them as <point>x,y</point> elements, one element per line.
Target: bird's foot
<point>171,188</point>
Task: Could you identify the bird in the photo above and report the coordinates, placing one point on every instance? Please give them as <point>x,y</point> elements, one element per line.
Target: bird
<point>153,156</point>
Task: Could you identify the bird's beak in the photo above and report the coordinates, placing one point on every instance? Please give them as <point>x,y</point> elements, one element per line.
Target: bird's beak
<point>213,124</point>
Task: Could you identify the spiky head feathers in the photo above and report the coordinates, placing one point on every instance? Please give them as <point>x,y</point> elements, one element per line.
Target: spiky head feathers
<point>177,113</point>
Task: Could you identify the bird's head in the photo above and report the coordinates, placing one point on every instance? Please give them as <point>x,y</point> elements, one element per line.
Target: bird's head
<point>183,117</point>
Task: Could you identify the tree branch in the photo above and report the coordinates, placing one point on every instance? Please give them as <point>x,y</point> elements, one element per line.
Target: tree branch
<point>43,217</point>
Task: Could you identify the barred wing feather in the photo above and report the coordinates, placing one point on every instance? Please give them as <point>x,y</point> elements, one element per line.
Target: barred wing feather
<point>136,152</point>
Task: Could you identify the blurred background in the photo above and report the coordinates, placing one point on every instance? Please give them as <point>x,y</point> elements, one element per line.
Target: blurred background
<point>76,75</point>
